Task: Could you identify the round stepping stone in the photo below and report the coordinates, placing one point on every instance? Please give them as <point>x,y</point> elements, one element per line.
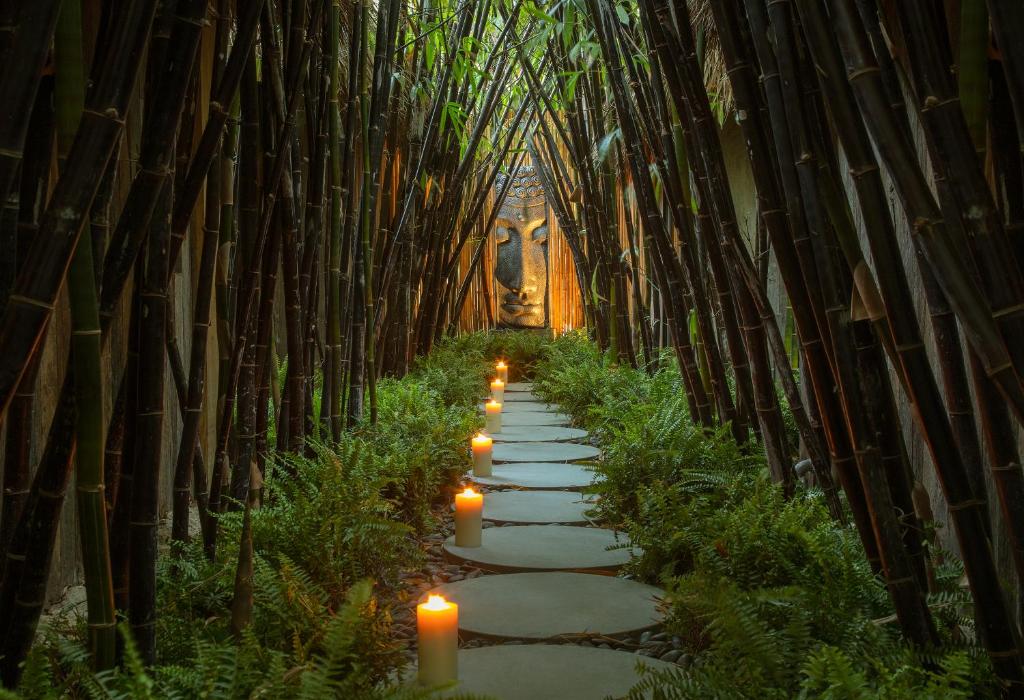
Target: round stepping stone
<point>543,605</point>
<point>535,507</point>
<point>535,671</point>
<point>543,548</point>
<point>542,452</point>
<point>520,406</point>
<point>519,386</point>
<point>533,433</point>
<point>518,396</point>
<point>521,418</point>
<point>538,475</point>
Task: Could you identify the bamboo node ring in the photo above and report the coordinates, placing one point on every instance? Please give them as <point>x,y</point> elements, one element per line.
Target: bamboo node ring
<point>1008,311</point>
<point>30,301</point>
<point>969,503</point>
<point>861,72</point>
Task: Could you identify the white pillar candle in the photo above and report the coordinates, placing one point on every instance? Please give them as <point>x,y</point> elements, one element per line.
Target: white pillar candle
<point>498,390</point>
<point>437,630</point>
<point>469,512</point>
<point>493,411</point>
<point>482,455</point>
<point>502,371</point>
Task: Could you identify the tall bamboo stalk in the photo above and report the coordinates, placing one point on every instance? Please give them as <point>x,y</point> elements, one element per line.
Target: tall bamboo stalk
<point>966,512</point>
<point>31,304</point>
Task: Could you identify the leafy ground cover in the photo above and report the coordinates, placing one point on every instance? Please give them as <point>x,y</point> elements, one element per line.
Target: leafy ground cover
<point>772,598</point>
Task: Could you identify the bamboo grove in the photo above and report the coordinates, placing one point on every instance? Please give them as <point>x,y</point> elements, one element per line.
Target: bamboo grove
<point>326,169</point>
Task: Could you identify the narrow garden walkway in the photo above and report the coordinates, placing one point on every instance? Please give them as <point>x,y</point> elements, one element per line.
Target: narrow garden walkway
<point>551,592</point>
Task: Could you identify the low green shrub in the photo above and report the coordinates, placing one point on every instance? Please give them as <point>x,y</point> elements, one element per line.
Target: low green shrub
<point>330,537</point>
<point>769,596</point>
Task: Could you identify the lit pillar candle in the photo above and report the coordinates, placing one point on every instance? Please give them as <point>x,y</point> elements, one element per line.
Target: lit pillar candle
<point>482,455</point>
<point>493,410</point>
<point>469,511</point>
<point>437,631</point>
<point>502,371</point>
<point>498,390</point>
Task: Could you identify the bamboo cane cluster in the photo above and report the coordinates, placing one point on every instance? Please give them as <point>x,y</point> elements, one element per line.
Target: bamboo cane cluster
<point>326,172</point>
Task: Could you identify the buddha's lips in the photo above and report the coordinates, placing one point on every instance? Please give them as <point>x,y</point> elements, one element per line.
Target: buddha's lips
<point>518,308</point>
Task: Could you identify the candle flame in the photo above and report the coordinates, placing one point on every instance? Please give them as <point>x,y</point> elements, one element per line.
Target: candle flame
<point>501,365</point>
<point>468,491</point>
<point>436,602</point>
<point>497,382</point>
<point>492,402</point>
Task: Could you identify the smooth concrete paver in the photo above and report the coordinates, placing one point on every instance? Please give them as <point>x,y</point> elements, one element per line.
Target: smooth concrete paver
<point>549,672</point>
<point>542,452</point>
<point>537,606</point>
<point>534,433</point>
<point>519,386</point>
<point>521,418</point>
<point>544,548</point>
<point>530,507</point>
<point>520,406</point>
<point>519,396</point>
<point>538,475</point>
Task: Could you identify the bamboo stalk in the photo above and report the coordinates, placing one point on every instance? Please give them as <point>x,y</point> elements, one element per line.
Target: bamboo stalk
<point>966,512</point>
<point>86,351</point>
<point>31,304</point>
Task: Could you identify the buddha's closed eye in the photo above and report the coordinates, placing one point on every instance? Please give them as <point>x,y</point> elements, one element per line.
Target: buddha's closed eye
<point>540,234</point>
<point>502,234</point>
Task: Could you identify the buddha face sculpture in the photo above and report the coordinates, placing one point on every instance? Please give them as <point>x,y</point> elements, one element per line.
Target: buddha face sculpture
<point>521,269</point>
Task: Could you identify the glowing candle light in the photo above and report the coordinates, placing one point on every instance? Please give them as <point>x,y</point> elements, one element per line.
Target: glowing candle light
<point>437,630</point>
<point>482,455</point>
<point>502,371</point>
<point>493,410</point>
<point>498,390</point>
<point>469,511</point>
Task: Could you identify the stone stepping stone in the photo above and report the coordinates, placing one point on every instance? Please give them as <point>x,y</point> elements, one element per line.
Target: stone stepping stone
<point>521,418</point>
<point>533,433</point>
<point>542,452</point>
<point>540,606</point>
<point>536,507</point>
<point>542,671</point>
<point>538,475</point>
<point>543,548</point>
<point>519,386</point>
<point>518,396</point>
<point>520,406</point>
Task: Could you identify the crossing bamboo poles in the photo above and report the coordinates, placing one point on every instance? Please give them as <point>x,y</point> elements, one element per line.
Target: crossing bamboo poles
<point>966,512</point>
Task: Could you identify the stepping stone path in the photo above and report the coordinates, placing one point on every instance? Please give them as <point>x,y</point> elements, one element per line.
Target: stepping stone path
<point>538,475</point>
<point>549,672</point>
<point>529,418</point>
<point>534,433</point>
<point>543,452</point>
<point>514,407</point>
<point>516,396</point>
<point>546,584</point>
<point>544,548</point>
<point>524,507</point>
<point>542,606</point>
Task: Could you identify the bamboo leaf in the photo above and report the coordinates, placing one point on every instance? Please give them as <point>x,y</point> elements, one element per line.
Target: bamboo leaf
<point>534,11</point>
<point>623,15</point>
<point>604,146</point>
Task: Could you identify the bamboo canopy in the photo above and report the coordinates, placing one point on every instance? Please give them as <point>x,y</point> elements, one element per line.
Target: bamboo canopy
<point>225,223</point>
